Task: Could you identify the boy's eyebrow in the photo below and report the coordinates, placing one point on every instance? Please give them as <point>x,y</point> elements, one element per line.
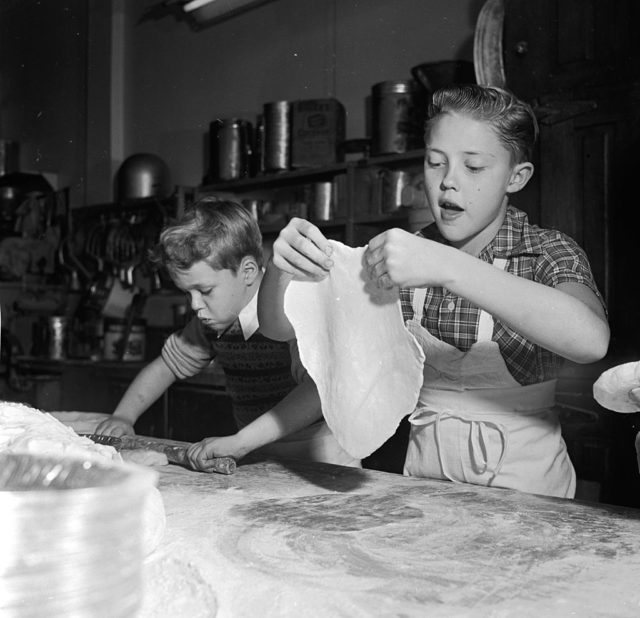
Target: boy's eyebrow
<point>466,152</point>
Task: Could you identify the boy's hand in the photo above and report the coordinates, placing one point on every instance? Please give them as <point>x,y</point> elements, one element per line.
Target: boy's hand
<point>115,426</point>
<point>396,257</point>
<point>302,251</point>
<point>200,453</point>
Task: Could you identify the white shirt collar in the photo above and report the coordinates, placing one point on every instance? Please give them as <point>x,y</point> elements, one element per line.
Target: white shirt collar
<point>248,317</point>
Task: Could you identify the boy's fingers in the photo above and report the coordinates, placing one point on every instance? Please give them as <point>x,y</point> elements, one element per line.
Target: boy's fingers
<point>311,232</point>
<point>299,266</point>
<point>302,250</point>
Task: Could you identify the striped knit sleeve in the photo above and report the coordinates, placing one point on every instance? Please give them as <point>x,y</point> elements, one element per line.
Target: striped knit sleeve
<point>187,352</point>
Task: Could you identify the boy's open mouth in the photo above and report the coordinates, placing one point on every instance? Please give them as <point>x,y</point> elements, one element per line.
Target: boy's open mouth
<point>446,205</point>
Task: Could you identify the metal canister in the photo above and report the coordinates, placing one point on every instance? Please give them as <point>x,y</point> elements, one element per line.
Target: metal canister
<point>392,185</point>
<point>230,149</point>
<point>277,136</point>
<point>253,206</point>
<point>397,115</point>
<point>57,337</point>
<point>257,163</point>
<point>323,201</point>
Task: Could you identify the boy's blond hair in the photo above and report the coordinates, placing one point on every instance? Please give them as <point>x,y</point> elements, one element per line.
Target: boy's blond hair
<point>512,119</point>
<point>220,233</point>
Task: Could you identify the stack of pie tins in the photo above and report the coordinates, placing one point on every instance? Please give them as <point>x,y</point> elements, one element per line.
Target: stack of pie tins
<point>70,537</point>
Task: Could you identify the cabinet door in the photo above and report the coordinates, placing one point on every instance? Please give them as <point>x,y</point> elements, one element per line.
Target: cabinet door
<point>99,389</point>
<point>153,422</point>
<point>585,163</point>
<point>84,389</point>
<point>575,195</point>
<point>197,412</point>
<point>568,45</point>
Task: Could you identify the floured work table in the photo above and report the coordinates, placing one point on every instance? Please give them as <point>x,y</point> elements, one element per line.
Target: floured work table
<point>294,539</point>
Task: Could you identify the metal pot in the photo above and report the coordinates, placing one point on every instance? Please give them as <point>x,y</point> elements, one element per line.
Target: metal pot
<point>143,176</point>
<point>436,75</point>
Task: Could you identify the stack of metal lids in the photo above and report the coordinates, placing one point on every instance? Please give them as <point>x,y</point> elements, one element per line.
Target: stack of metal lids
<point>71,537</point>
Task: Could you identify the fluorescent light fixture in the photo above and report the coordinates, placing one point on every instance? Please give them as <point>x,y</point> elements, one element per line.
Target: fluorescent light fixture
<point>208,11</point>
<point>195,4</point>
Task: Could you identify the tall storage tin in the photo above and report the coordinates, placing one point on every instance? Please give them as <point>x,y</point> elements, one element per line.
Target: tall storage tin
<point>230,149</point>
<point>317,132</point>
<point>397,114</point>
<point>277,136</point>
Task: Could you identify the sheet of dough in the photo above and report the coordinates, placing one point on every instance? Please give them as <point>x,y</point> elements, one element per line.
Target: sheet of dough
<point>353,342</point>
<point>611,389</point>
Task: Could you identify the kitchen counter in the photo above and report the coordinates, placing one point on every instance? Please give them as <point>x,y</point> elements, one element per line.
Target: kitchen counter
<point>300,540</point>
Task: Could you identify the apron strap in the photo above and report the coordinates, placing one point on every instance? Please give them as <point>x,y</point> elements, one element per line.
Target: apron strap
<point>418,298</point>
<point>491,402</point>
<point>484,409</point>
<point>485,323</point>
<point>478,437</point>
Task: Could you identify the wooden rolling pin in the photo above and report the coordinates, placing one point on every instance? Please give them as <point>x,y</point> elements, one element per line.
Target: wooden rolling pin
<point>175,451</point>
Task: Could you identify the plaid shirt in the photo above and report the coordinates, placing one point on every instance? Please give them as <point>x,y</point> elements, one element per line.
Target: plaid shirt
<point>546,256</point>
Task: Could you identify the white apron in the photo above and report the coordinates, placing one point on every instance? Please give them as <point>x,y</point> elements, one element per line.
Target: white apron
<point>474,423</point>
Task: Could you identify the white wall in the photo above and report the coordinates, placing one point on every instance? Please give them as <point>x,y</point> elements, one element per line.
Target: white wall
<point>85,83</point>
<point>288,49</point>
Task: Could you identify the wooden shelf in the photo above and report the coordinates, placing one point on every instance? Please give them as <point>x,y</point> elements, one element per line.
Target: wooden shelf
<point>351,170</point>
<point>392,217</point>
<point>280,179</point>
<point>393,160</point>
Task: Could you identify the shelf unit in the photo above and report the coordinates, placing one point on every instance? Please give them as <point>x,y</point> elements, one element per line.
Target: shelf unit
<point>358,213</point>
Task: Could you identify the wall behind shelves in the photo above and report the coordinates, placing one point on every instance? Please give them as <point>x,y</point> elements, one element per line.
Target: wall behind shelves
<point>122,81</point>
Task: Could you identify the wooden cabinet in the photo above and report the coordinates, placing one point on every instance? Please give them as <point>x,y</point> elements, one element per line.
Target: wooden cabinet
<point>573,188</point>
<point>196,411</point>
<point>567,46</point>
<point>190,410</point>
<point>578,64</point>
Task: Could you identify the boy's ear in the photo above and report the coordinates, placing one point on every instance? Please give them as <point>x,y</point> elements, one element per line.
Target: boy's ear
<point>249,269</point>
<point>520,176</point>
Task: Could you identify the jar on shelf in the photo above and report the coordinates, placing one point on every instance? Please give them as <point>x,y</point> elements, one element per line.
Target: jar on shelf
<point>116,338</point>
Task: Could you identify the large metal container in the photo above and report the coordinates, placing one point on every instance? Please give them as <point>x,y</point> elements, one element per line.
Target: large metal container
<point>397,116</point>
<point>277,136</point>
<point>230,149</point>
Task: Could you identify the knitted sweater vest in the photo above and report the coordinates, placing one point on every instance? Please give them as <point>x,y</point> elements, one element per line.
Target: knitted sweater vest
<point>258,373</point>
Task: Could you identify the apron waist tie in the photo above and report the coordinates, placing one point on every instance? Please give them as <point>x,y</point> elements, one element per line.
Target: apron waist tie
<point>479,450</point>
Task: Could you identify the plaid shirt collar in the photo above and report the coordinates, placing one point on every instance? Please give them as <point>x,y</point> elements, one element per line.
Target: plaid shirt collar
<point>514,238</point>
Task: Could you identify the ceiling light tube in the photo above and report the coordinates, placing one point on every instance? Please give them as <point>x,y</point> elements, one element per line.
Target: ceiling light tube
<point>195,4</point>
